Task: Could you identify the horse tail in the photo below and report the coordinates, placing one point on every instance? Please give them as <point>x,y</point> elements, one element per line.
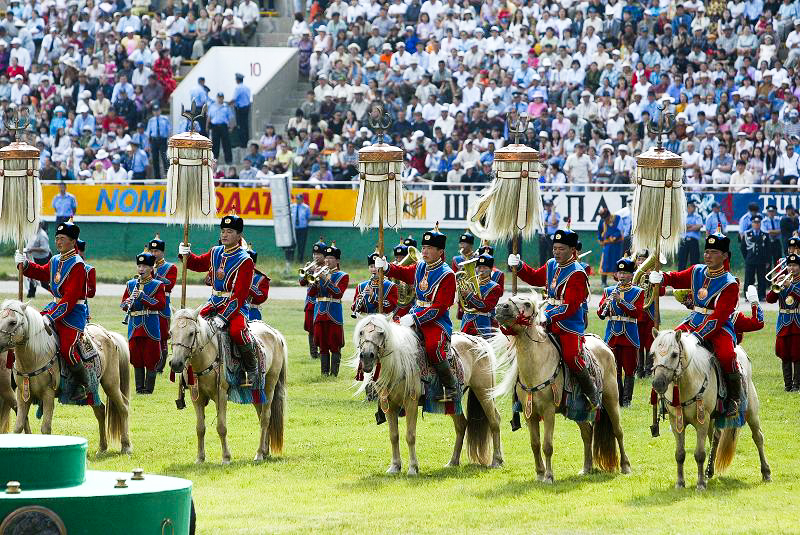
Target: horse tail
<point>115,416</point>
<point>278,406</point>
<point>604,443</point>
<point>478,433</point>
<point>726,449</point>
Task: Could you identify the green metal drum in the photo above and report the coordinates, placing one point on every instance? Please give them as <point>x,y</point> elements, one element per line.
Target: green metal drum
<point>49,491</point>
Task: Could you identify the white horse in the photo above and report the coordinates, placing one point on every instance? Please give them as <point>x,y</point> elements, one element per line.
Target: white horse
<point>681,360</point>
<point>531,363</point>
<point>398,349</point>
<point>195,342</point>
<point>22,328</point>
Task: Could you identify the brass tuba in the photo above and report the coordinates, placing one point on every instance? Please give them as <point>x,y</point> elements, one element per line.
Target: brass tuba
<point>467,282</point>
<point>640,279</point>
<point>411,258</point>
<point>405,292</point>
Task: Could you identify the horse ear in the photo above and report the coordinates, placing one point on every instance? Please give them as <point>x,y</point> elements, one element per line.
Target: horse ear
<point>655,333</point>
<point>195,313</point>
<point>678,336</point>
<point>25,305</point>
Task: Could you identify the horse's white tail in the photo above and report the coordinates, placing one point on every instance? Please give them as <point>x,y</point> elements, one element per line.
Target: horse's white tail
<point>506,364</point>
<point>278,406</point>
<point>726,449</point>
<point>115,416</point>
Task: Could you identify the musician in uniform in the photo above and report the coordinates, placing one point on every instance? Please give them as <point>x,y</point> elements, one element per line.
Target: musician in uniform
<point>715,294</point>
<point>622,305</point>
<point>144,299</point>
<point>757,256</point>
<point>787,342</point>
<point>793,245</point>
<point>466,242</point>
<point>498,275</point>
<point>232,270</point>
<point>67,312</point>
<point>567,291</point>
<point>166,272</point>
<point>405,292</point>
<point>91,276</point>
<point>328,290</point>
<point>479,303</point>
<point>609,235</point>
<point>317,261</point>
<point>435,289</point>
<point>366,299</point>
<point>259,290</point>
<point>410,241</point>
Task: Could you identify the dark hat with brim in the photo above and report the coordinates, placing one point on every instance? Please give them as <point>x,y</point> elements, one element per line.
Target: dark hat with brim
<point>145,259</point>
<point>233,222</point>
<point>68,229</point>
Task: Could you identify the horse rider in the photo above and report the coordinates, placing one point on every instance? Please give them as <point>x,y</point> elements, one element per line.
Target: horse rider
<point>405,292</point>
<point>747,324</point>
<point>715,294</point>
<point>328,290</point>
<point>166,272</point>
<point>497,274</point>
<point>567,290</point>
<point>232,273</point>
<point>645,326</point>
<point>478,316</point>
<point>623,304</point>
<point>466,242</point>
<point>144,299</point>
<point>318,261</point>
<point>67,312</point>
<point>435,289</point>
<point>366,299</point>
<point>259,290</point>
<point>787,342</point>
<point>91,275</point>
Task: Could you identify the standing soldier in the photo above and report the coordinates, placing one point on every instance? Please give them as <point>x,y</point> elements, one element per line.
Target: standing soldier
<point>497,274</point>
<point>366,299</point>
<point>623,305</point>
<point>219,120</point>
<point>771,224</point>
<point>689,249</point>
<point>91,276</point>
<point>232,270</point>
<point>328,290</point>
<point>787,343</point>
<point>144,299</point>
<point>166,272</point>
<point>259,290</point>
<point>67,312</point>
<point>465,243</point>
<point>435,289</point>
<point>757,256</point>
<point>242,99</point>
<point>479,305</point>
<point>317,261</point>
<point>405,292</point>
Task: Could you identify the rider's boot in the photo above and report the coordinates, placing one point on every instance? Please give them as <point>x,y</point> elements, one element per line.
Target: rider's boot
<point>138,374</point>
<point>587,386</point>
<point>515,419</point>
<point>734,383</point>
<point>162,361</point>
<point>796,380</point>
<point>325,362</point>
<point>448,381</point>
<point>786,368</point>
<point>249,361</point>
<point>81,379</point>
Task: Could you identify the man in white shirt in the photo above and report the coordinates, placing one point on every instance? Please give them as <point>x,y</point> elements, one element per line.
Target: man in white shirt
<point>468,154</point>
<point>690,158</point>
<point>789,165</point>
<point>741,179</point>
<point>432,109</point>
<point>578,168</point>
<point>587,109</point>
<point>624,166</point>
<point>116,173</point>
<point>445,122</point>
<point>471,93</point>
<point>400,58</point>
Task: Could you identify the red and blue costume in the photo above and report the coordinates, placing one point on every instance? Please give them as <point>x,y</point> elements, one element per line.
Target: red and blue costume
<point>144,327</point>
<point>166,272</point>
<point>259,291</point>
<point>478,316</point>
<point>787,329</point>
<point>308,308</point>
<point>402,308</point>
<point>370,300</point>
<point>328,317</point>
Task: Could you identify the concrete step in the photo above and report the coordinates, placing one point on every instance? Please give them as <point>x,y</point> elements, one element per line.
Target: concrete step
<point>274,39</point>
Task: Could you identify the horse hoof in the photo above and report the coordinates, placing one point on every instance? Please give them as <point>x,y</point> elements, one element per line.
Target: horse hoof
<point>680,485</point>
<point>496,464</point>
<point>701,486</point>
<point>200,460</point>
<point>258,458</point>
<point>625,469</point>
<point>393,469</point>
<point>549,480</point>
<point>413,471</point>
<point>540,478</point>
<point>127,450</point>
<point>452,464</point>
<point>766,478</point>
<point>226,462</point>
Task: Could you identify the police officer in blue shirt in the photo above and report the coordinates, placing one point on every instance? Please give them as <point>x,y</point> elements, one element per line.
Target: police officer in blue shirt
<point>771,224</point>
<point>689,249</point>
<point>241,101</point>
<point>716,220</point>
<point>219,120</point>
<point>158,132</point>
<point>138,162</point>
<point>199,96</point>
<point>745,224</point>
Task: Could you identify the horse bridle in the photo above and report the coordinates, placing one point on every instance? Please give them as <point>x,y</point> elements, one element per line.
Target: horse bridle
<point>524,321</point>
<point>12,333</point>
<point>191,348</point>
<point>678,370</point>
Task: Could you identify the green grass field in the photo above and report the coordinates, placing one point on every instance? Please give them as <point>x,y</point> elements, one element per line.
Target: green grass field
<point>331,478</point>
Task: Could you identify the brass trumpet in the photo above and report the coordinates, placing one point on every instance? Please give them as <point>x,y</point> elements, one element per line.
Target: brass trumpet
<point>320,272</point>
<point>640,279</point>
<point>467,281</point>
<point>779,275</point>
<point>306,272</point>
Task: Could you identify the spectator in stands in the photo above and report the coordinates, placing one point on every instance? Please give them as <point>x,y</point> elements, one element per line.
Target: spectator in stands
<point>64,204</point>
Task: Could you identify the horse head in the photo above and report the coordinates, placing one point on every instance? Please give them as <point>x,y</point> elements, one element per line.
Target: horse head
<point>13,324</point>
<point>371,339</point>
<point>669,359</point>
<point>517,312</point>
<point>184,334</point>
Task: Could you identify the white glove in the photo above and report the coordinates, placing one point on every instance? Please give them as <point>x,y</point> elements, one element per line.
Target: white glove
<point>218,323</point>
<point>381,263</point>
<point>514,260</point>
<point>407,321</point>
<point>656,277</point>
<point>751,294</point>
<point>184,249</point>
<point>19,258</point>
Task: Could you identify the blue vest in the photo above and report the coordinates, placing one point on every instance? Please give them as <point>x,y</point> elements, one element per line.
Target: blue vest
<point>88,269</point>
<point>432,279</point>
<point>160,273</point>
<point>482,320</point>
<point>786,319</point>
<point>713,286</point>
<point>223,271</point>
<point>150,321</point>
<point>253,312</point>
<point>619,327</point>
<point>557,279</point>
<point>332,309</point>
<point>371,305</point>
<point>75,318</point>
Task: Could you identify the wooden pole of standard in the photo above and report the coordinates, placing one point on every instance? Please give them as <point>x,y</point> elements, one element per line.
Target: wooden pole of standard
<point>380,271</point>
<point>185,258</point>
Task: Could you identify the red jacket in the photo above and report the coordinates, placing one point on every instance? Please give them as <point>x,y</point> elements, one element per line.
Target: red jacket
<point>241,282</point>
<point>574,294</point>
<point>723,308</point>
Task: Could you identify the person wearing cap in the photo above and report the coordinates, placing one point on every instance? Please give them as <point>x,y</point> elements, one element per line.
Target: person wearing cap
<point>259,290</point>
<point>158,132</point>
<point>787,329</point>
<point>756,256</point>
<point>66,275</point>
<point>365,300</point>
<point>480,302</point>
<point>143,301</point>
<point>771,225</point>
<point>567,291</point>
<point>232,273</point>
<point>435,289</point>
<point>715,295</point>
<point>241,101</point>
<point>497,275</point>
<point>328,289</point>
<point>218,122</point>
<point>301,215</point>
<point>138,162</point>
<point>167,273</point>
<point>689,248</point>
<point>199,97</point>
<point>466,244</point>
<point>64,204</point>
<point>317,262</point>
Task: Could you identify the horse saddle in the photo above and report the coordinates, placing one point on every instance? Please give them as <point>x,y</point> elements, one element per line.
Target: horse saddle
<point>90,358</point>
<point>575,405</point>
<point>234,366</point>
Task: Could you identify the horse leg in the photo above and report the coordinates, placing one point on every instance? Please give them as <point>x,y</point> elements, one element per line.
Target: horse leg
<point>758,438</point>
<point>114,395</point>
<point>713,437</point>
<point>262,410</point>
<point>222,426</point>
<point>680,456</point>
<point>394,438</point>
<point>21,423</point>
<point>547,448</point>
<point>200,426</point>
<point>490,410</point>
<point>586,435</point>
<point>48,406</point>
<point>411,435</point>
<point>100,414</point>
<point>460,423</point>
<point>536,445</point>
<point>700,456</point>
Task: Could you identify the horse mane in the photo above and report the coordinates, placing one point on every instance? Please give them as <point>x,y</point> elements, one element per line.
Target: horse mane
<point>38,341</point>
<point>690,344</point>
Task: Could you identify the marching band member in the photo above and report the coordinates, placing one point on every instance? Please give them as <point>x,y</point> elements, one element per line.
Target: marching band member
<point>715,294</point>
<point>787,342</point>
<point>465,243</point>
<point>793,245</point>
<point>166,272</point>
<point>144,299</point>
<point>645,326</point>
<point>435,288</point>
<point>317,261</point>
<point>623,305</point>
<point>410,241</point>
<point>479,312</point>
<point>497,274</point>
<point>747,324</point>
<point>366,298</point>
<point>259,290</point>
<point>567,290</point>
<point>232,270</point>
<point>91,276</point>
<point>328,290</point>
<point>405,292</point>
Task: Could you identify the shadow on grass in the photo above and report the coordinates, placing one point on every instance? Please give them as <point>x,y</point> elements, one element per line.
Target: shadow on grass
<point>717,487</point>
<point>193,469</point>
<point>560,486</point>
<point>377,480</point>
